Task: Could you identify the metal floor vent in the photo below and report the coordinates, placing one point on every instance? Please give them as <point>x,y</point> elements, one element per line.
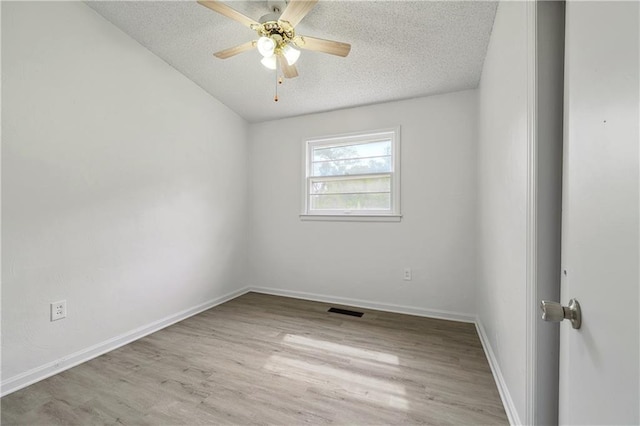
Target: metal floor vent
<point>346,312</point>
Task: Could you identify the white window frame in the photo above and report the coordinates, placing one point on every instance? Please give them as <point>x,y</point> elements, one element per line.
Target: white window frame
<point>391,215</point>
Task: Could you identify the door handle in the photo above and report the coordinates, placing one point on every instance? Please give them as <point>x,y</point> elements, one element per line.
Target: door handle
<point>555,312</point>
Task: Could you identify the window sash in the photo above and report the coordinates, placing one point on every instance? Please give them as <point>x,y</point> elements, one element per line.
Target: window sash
<point>349,177</point>
<point>341,158</point>
<point>373,188</point>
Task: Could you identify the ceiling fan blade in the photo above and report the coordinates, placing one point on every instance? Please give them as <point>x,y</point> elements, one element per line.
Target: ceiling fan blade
<point>232,51</point>
<point>289,71</point>
<point>227,11</point>
<point>337,48</point>
<point>296,10</point>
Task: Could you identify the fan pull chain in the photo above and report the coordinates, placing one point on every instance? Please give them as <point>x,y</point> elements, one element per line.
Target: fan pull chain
<point>278,82</point>
<point>275,99</point>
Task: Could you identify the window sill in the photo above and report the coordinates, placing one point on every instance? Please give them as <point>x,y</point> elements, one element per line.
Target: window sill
<point>351,217</point>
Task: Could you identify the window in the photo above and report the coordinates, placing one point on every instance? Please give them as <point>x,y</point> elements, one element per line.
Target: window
<point>353,177</point>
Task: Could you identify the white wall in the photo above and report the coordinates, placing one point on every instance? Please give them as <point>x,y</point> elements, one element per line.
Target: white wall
<point>502,199</point>
<point>123,188</point>
<point>363,262</point>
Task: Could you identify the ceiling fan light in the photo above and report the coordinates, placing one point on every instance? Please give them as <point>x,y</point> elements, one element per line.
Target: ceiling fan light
<point>269,62</point>
<point>291,54</point>
<point>266,46</point>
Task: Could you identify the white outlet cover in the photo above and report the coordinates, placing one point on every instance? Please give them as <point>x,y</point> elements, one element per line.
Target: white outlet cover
<point>58,310</point>
<point>407,274</point>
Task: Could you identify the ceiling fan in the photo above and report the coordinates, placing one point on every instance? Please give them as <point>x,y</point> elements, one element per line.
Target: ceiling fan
<point>277,40</point>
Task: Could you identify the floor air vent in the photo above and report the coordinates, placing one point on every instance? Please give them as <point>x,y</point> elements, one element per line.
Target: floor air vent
<point>345,312</point>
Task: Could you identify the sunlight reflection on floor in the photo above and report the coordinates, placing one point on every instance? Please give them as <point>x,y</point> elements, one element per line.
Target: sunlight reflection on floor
<point>348,383</point>
<point>337,348</point>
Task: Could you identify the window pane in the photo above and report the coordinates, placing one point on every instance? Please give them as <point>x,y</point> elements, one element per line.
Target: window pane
<point>350,186</point>
<point>352,167</point>
<point>342,152</point>
<point>369,201</point>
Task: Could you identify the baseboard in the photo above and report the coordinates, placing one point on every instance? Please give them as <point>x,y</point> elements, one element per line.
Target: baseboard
<point>359,303</point>
<point>34,375</point>
<point>507,401</point>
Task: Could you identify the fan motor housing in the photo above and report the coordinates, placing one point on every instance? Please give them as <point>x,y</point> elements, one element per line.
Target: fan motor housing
<point>277,29</point>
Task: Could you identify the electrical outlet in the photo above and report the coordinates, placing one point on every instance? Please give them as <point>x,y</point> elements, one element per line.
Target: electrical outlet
<point>407,274</point>
<point>58,310</point>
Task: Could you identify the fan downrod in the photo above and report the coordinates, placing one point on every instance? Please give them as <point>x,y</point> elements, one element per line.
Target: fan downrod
<point>276,6</point>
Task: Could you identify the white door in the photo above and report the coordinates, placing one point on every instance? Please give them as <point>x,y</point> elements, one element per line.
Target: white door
<point>600,363</point>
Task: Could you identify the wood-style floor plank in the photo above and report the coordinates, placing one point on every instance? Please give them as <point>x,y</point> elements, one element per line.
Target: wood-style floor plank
<point>261,359</point>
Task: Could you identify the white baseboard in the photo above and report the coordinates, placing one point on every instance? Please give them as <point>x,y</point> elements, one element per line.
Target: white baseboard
<point>29,377</point>
<point>358,303</point>
<point>509,406</point>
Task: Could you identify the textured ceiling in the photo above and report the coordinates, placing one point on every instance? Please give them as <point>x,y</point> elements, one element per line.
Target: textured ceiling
<point>400,50</point>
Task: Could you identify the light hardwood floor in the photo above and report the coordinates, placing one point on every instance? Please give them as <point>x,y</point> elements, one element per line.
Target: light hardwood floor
<point>262,359</point>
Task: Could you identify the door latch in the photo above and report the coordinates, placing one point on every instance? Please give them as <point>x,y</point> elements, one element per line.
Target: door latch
<point>555,312</point>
